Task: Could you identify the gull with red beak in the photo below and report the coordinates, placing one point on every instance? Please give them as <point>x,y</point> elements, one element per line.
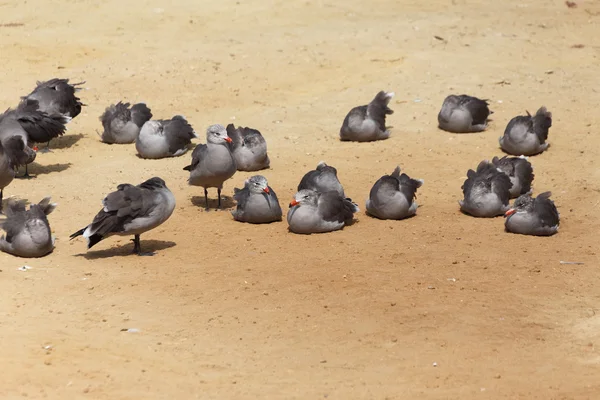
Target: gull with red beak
<point>212,163</point>
<point>316,212</point>
<point>529,216</point>
<point>26,123</point>
<point>257,203</point>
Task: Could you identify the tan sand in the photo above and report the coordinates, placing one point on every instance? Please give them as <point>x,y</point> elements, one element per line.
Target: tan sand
<point>441,306</point>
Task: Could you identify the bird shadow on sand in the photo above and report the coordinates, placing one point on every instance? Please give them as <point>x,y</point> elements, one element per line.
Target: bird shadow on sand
<point>226,202</point>
<point>127,249</point>
<point>36,169</point>
<point>64,142</point>
<point>368,214</point>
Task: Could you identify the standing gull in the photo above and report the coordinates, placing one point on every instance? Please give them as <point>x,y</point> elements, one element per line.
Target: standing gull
<point>463,114</point>
<point>529,216</point>
<point>486,191</point>
<point>164,138</point>
<point>315,212</point>
<point>54,97</point>
<point>13,154</point>
<point>30,108</point>
<point>367,123</point>
<point>392,196</point>
<point>26,123</point>
<point>526,134</point>
<point>131,210</point>
<point>212,163</point>
<point>520,172</point>
<point>322,179</point>
<point>27,231</point>
<point>257,202</point>
<point>122,123</point>
<point>249,148</point>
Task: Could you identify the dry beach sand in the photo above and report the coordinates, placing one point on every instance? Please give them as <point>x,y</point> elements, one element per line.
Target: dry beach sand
<point>440,306</point>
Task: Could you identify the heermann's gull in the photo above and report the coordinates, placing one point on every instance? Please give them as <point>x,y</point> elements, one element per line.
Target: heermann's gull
<point>257,202</point>
<point>54,97</point>
<point>463,114</point>
<point>28,123</point>
<point>212,163</point>
<point>164,138</point>
<point>122,123</point>
<point>520,172</point>
<point>131,210</point>
<point>529,216</point>
<point>392,196</point>
<point>322,179</point>
<point>367,123</point>
<point>249,148</point>
<point>526,134</point>
<point>13,154</point>
<point>27,231</point>
<point>30,107</point>
<point>486,191</point>
<point>315,212</point>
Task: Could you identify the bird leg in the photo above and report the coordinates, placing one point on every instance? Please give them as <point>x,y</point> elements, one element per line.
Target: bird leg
<point>219,195</point>
<point>26,176</point>
<point>47,148</point>
<point>1,197</point>
<point>206,198</point>
<point>137,248</point>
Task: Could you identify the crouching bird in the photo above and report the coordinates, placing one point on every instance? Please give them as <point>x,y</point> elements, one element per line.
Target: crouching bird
<point>131,210</point>
<point>529,216</point>
<point>316,212</point>
<point>27,231</point>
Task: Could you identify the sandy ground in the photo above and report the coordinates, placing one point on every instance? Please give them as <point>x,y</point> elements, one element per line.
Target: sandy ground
<point>441,306</point>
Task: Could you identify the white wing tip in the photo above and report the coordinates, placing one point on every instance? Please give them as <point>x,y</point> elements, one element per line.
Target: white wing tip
<point>87,233</point>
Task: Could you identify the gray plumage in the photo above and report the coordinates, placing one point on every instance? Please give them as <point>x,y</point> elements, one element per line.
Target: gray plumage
<point>315,212</point>
<point>392,196</point>
<point>164,138</point>
<point>463,114</point>
<point>526,134</point>
<point>212,163</point>
<point>486,191</point>
<point>520,172</point>
<point>28,232</point>
<point>13,154</point>
<point>33,125</point>
<point>529,216</point>
<point>249,148</point>
<point>131,210</point>
<point>122,123</point>
<point>367,123</point>
<point>57,97</point>
<point>257,202</point>
<point>322,179</point>
<point>30,125</point>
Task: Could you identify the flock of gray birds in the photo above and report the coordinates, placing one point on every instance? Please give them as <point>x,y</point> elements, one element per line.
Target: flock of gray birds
<point>320,205</point>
